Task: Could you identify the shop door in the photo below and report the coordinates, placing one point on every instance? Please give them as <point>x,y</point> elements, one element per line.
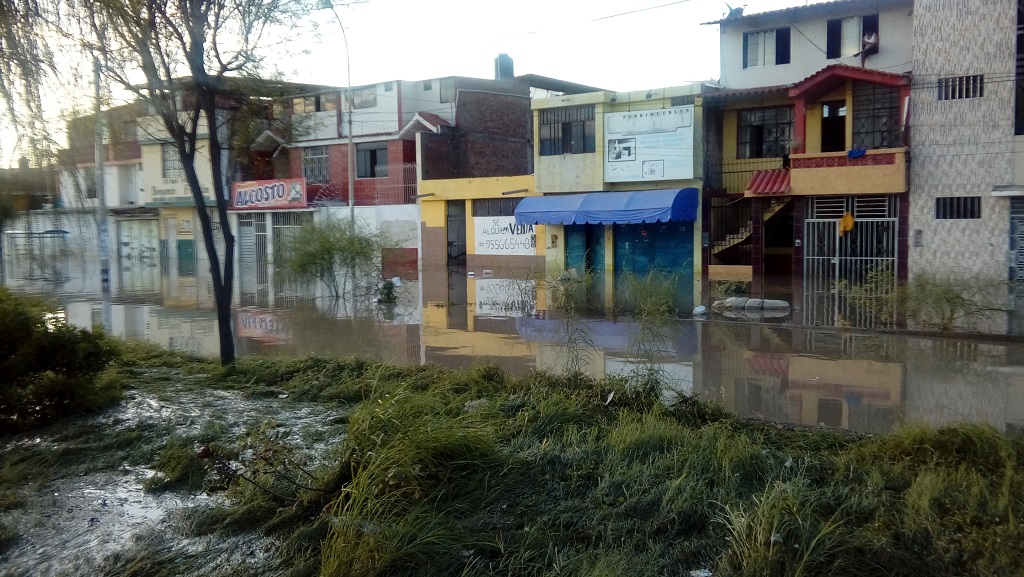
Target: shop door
<point>456,233</point>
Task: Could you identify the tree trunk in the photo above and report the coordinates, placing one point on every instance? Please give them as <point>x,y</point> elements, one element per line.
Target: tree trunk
<point>221,292</point>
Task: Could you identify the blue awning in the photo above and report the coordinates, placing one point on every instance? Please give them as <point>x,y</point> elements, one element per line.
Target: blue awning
<point>634,207</point>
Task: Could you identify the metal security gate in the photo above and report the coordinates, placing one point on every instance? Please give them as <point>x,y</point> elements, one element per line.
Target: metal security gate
<point>861,261</point>
<point>285,227</point>
<point>1017,264</point>
<point>138,249</point>
<point>253,280</point>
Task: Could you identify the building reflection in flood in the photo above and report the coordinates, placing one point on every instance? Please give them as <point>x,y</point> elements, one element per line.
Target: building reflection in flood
<point>849,379</point>
<point>866,381</point>
<point>502,317</point>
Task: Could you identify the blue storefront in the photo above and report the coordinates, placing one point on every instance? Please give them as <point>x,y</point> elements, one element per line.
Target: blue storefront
<point>620,236</point>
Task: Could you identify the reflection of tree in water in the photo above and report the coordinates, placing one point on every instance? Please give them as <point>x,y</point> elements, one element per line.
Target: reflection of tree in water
<point>317,331</point>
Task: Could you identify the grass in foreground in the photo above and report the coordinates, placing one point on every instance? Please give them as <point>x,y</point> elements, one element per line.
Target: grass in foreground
<point>477,472</point>
<point>480,473</point>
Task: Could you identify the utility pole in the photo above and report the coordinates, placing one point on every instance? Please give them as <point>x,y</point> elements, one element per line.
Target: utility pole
<point>101,206</point>
<point>348,114</point>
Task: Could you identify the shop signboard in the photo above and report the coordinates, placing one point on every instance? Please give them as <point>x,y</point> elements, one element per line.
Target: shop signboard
<point>649,145</point>
<point>269,194</point>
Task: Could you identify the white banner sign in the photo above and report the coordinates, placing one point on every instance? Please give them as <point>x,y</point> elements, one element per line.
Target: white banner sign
<point>649,145</point>
<point>501,235</point>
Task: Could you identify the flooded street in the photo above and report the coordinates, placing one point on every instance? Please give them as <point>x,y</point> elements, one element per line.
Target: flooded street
<point>99,519</point>
<point>847,378</point>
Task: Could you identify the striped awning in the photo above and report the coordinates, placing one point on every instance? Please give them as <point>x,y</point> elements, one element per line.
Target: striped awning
<point>768,182</point>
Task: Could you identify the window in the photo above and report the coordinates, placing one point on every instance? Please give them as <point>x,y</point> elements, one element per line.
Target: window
<point>845,36</point>
<point>129,132</point>
<point>372,161</point>
<point>447,90</point>
<point>495,206</point>
<point>89,182</point>
<point>389,86</point>
<point>764,132</point>
<point>959,87</point>
<point>365,97</point>
<point>304,104</point>
<point>766,48</point>
<point>876,116</point>
<point>318,103</point>
<point>568,130</point>
<point>170,161</point>
<point>427,85</point>
<point>328,102</point>
<point>314,165</point>
<point>957,207</point>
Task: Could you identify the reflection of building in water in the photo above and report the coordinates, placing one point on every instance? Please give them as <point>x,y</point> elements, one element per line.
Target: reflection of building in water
<point>784,375</point>
<point>470,319</point>
<point>953,380</point>
<point>866,382</point>
<point>604,348</point>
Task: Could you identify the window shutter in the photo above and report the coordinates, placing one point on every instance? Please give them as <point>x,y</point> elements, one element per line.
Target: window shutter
<point>782,46</point>
<point>834,39</point>
<point>746,40</point>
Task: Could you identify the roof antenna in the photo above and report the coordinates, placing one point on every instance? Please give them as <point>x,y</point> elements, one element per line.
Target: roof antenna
<point>734,12</point>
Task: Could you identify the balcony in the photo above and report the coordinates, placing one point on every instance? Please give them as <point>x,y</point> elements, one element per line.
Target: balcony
<point>881,171</point>
<point>116,151</point>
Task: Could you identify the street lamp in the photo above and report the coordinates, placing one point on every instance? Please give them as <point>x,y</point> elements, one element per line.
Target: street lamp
<point>327,5</point>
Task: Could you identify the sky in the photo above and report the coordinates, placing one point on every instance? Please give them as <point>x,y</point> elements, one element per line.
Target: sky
<point>615,45</point>
<point>611,44</point>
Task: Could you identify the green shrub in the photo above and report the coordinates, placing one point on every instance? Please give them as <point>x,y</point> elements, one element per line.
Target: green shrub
<point>48,369</point>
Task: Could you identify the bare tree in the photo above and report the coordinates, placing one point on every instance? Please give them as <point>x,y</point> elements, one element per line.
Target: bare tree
<point>183,58</point>
<point>25,60</point>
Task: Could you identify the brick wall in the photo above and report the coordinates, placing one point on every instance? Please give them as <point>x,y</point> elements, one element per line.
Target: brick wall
<point>492,137</point>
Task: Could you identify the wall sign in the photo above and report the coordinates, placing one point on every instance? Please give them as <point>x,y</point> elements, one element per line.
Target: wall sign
<point>269,194</point>
<point>501,235</point>
<point>649,145</point>
<point>505,298</point>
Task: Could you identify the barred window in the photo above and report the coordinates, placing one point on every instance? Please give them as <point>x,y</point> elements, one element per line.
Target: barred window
<point>495,206</point>
<point>957,207</point>
<point>170,161</point>
<point>764,132</point>
<point>960,87</point>
<point>568,130</point>
<point>314,165</point>
<point>876,116</point>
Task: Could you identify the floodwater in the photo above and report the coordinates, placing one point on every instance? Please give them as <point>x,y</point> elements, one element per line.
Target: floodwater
<point>86,523</point>
<point>847,378</point>
<point>853,379</point>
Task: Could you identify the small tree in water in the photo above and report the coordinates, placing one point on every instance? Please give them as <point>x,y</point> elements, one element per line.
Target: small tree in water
<point>335,254</point>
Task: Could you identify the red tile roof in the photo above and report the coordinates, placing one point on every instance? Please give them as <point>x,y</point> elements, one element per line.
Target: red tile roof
<point>433,119</point>
<point>832,76</point>
<point>768,182</point>
<point>723,93</point>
